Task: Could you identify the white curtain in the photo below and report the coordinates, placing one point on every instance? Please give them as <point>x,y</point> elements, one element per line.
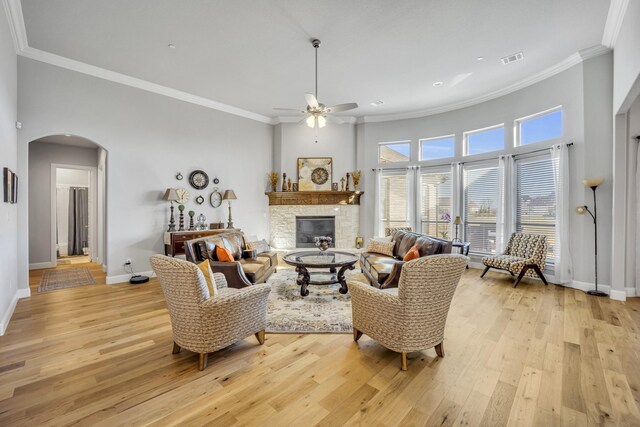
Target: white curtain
<point>505,176</point>
<point>376,211</point>
<point>62,218</point>
<point>413,219</point>
<point>563,264</point>
<point>456,193</point>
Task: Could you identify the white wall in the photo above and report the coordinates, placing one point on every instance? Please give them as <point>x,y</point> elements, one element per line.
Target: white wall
<point>627,60</point>
<point>631,234</point>
<point>41,156</point>
<point>589,81</point>
<point>149,139</point>
<point>8,212</point>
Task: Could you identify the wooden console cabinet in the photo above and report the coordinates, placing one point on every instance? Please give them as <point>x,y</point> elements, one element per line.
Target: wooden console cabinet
<point>174,241</point>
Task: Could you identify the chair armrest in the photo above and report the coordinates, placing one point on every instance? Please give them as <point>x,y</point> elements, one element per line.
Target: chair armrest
<point>219,280</point>
<point>240,303</point>
<point>372,295</point>
<point>394,277</point>
<point>233,273</point>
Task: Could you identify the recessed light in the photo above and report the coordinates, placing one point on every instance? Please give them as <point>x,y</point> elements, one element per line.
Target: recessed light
<point>67,134</point>
<point>437,84</point>
<point>378,102</point>
<point>171,46</point>
<point>480,58</point>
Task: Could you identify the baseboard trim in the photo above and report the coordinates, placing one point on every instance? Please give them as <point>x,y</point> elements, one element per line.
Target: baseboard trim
<point>41,265</point>
<point>123,278</point>
<point>19,294</point>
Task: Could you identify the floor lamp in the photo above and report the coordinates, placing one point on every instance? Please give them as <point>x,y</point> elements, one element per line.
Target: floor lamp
<point>593,184</point>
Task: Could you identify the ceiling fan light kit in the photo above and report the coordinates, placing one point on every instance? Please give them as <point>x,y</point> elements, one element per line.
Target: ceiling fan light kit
<point>316,111</point>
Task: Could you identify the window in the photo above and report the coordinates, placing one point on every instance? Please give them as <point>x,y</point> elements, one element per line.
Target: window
<point>536,200</point>
<point>435,203</point>
<point>437,148</point>
<point>394,152</point>
<point>484,140</point>
<point>394,200</point>
<point>539,127</point>
<point>480,208</point>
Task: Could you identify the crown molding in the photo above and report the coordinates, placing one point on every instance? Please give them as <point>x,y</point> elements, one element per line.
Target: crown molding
<point>13,9</point>
<point>615,17</point>
<point>350,120</point>
<point>567,63</point>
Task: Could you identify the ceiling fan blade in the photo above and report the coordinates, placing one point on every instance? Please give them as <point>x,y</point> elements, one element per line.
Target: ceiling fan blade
<point>290,109</point>
<point>342,107</point>
<point>311,100</point>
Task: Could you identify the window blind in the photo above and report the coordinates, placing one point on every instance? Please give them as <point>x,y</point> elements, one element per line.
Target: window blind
<point>480,208</point>
<point>435,203</point>
<point>393,199</point>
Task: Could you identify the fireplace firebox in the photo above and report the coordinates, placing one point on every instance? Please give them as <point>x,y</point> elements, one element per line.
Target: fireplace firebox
<point>308,227</point>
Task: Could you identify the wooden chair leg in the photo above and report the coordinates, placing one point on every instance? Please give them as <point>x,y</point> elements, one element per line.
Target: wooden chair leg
<point>204,358</point>
<point>356,334</point>
<point>440,350</point>
<point>176,348</point>
<point>403,366</point>
<point>539,273</point>
<point>511,273</point>
<point>484,272</point>
<point>260,336</point>
<point>521,275</point>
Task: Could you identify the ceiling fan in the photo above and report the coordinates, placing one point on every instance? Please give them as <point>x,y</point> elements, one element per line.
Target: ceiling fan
<point>317,112</point>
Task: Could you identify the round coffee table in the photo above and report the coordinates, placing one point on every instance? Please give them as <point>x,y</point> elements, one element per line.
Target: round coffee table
<point>332,260</point>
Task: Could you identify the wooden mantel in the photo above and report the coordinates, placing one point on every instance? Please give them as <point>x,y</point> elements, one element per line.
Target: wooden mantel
<point>314,197</point>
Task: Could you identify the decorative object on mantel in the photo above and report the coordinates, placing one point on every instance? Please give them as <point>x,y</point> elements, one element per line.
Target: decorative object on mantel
<point>191,225</point>
<point>216,225</point>
<point>593,184</point>
<point>314,173</point>
<point>181,223</point>
<point>274,177</point>
<point>302,198</point>
<point>10,186</point>
<point>334,186</point>
<point>347,183</point>
<point>323,242</point>
<point>215,199</point>
<point>359,241</point>
<point>356,179</point>
<point>171,196</point>
<point>342,184</point>
<point>183,195</point>
<point>179,176</point>
<point>284,181</point>
<point>199,179</point>
<point>289,187</point>
<point>229,195</point>
<point>199,200</point>
<point>457,222</point>
<point>295,186</point>
<point>201,225</point>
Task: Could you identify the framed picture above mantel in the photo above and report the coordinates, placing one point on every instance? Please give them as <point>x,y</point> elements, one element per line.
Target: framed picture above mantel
<point>314,173</point>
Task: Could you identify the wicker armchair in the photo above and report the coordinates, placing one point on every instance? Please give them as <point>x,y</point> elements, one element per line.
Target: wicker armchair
<point>411,317</point>
<point>204,324</point>
<point>525,255</point>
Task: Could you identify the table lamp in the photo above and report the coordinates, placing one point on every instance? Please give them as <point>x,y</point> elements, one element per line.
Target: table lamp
<point>171,196</point>
<point>457,222</point>
<point>593,184</point>
<point>229,195</point>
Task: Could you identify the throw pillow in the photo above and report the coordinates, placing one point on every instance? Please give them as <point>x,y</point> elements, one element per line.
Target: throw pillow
<point>377,246</point>
<point>208,277</point>
<point>412,253</point>
<point>384,239</point>
<point>223,254</point>
<point>259,246</point>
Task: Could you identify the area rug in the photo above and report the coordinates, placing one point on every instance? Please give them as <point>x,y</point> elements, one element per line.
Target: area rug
<point>324,310</point>
<point>66,278</point>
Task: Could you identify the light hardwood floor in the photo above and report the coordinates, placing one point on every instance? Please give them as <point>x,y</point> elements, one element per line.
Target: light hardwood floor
<point>535,355</point>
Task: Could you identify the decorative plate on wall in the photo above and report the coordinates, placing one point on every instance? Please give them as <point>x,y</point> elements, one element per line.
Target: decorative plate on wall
<point>183,195</point>
<point>314,173</point>
<point>199,179</point>
<point>199,200</point>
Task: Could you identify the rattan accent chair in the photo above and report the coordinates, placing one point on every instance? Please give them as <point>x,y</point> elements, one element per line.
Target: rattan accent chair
<point>203,323</point>
<point>525,255</point>
<point>412,316</point>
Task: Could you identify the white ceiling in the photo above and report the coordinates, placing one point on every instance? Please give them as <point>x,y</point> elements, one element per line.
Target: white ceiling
<point>256,55</point>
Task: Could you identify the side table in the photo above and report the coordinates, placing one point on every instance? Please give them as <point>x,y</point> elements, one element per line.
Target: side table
<point>463,248</point>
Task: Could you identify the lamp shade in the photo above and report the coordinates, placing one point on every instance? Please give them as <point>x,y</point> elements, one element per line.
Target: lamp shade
<point>592,182</point>
<point>170,195</point>
<point>229,195</point>
<point>457,221</point>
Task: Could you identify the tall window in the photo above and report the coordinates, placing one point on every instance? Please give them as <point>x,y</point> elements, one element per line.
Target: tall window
<point>394,152</point>
<point>539,127</point>
<point>535,210</point>
<point>484,140</point>
<point>394,200</point>
<point>435,203</point>
<point>437,148</point>
<point>480,208</point>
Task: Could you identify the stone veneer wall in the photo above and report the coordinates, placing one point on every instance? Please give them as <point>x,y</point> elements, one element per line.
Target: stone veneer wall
<point>282,221</point>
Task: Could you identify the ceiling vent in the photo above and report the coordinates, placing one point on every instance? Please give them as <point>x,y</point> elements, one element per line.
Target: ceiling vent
<point>512,58</point>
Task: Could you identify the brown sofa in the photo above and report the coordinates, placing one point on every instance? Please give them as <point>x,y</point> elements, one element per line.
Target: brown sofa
<point>243,271</point>
<point>384,271</point>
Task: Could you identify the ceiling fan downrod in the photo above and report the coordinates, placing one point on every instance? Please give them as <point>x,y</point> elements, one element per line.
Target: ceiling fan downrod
<point>316,45</point>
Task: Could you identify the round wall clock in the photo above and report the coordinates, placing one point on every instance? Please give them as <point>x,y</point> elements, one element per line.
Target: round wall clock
<point>179,176</point>
<point>216,198</point>
<point>183,195</point>
<point>199,179</point>
<point>199,200</point>
<point>319,176</point>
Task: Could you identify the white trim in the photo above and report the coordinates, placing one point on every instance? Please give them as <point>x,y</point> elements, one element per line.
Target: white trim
<point>567,63</point>
<point>18,295</point>
<point>41,265</point>
<point>615,17</point>
<point>297,119</point>
<point>123,278</point>
<point>13,9</point>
